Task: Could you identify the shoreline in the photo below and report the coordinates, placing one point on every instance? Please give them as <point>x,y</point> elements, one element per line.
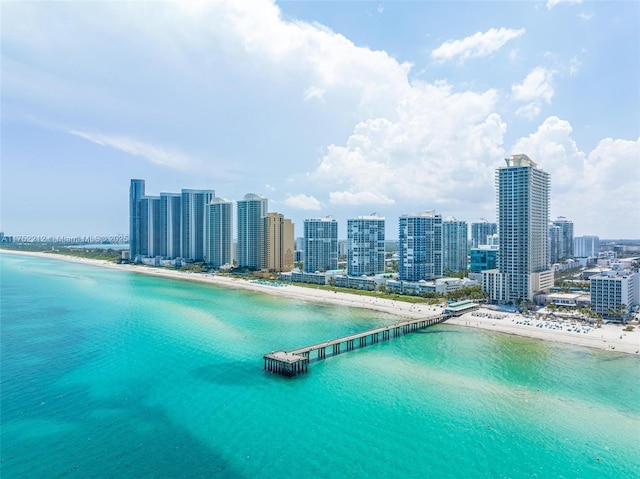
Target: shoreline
<point>609,337</point>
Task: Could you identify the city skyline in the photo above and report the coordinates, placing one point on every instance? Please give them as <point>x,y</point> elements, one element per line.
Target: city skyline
<point>324,108</point>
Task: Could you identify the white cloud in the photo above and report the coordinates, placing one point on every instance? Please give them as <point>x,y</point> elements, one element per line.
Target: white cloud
<point>586,16</point>
<point>314,93</point>
<point>442,149</point>
<point>536,88</point>
<point>359,198</point>
<point>154,154</point>
<point>303,202</point>
<point>477,45</point>
<point>553,3</point>
<point>599,189</point>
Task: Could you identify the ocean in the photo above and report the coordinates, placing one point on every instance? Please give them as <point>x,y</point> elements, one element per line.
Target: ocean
<point>110,374</point>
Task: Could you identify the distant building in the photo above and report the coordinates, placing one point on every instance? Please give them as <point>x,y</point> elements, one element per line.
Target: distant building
<point>586,246</point>
<point>480,231</point>
<point>554,239</point>
<point>251,209</point>
<point>365,251</point>
<point>136,191</point>
<point>614,293</point>
<point>278,244</point>
<point>193,205</point>
<point>454,245</point>
<point>170,225</point>
<point>523,219</point>
<point>320,244</point>
<point>150,236</point>
<point>219,233</point>
<point>420,246</point>
<point>484,258</point>
<point>565,243</point>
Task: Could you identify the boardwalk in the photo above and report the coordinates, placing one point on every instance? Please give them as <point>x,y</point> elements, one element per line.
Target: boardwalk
<point>296,361</point>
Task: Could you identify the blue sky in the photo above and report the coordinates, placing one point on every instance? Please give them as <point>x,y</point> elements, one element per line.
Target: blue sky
<point>326,108</point>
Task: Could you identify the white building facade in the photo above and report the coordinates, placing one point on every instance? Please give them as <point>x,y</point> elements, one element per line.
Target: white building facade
<point>366,247</point>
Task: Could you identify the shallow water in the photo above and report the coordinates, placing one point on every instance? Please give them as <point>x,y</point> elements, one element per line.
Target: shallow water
<point>114,374</point>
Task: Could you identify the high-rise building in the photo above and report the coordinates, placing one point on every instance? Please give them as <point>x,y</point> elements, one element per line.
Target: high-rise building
<point>219,233</point>
<point>170,224</point>
<point>454,245</point>
<point>523,221</point>
<point>480,231</point>
<point>586,246</point>
<point>420,246</point>
<point>150,239</point>
<point>554,236</point>
<point>320,244</point>
<point>565,240</point>
<point>278,244</point>
<point>136,191</point>
<point>251,209</point>
<point>193,221</point>
<point>365,250</point>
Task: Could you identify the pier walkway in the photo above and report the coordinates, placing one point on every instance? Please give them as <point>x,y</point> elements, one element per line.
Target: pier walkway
<point>296,361</point>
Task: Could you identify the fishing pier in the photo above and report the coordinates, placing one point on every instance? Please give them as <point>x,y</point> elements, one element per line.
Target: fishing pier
<point>296,361</point>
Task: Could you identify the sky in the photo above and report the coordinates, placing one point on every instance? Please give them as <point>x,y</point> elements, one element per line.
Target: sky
<point>325,108</point>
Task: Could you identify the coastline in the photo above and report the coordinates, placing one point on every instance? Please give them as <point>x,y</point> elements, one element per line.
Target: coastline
<point>609,337</point>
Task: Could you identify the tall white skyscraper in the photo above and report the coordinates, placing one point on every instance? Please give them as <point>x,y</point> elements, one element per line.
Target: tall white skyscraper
<point>193,221</point>
<point>320,244</point>
<point>251,209</point>
<point>365,250</point>
<point>150,228</point>
<point>523,221</point>
<point>454,245</point>
<point>219,232</point>
<point>420,246</point>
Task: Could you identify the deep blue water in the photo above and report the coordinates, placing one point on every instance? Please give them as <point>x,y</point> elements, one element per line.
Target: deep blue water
<point>114,374</point>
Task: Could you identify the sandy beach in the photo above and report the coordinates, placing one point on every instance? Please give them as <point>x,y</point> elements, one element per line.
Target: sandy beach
<point>609,337</point>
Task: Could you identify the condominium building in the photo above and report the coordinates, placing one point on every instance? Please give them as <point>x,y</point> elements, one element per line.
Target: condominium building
<point>614,293</point>
<point>136,191</point>
<point>219,233</point>
<point>170,225</point>
<point>586,246</point>
<point>150,235</point>
<point>278,245</point>
<point>554,238</point>
<point>565,238</point>
<point>320,244</point>
<point>251,209</point>
<point>420,246</point>
<point>365,250</point>
<point>523,219</point>
<point>193,222</point>
<point>454,245</point>
<point>480,231</point>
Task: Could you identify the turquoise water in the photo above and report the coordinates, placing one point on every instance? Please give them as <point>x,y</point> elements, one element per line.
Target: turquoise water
<point>113,374</point>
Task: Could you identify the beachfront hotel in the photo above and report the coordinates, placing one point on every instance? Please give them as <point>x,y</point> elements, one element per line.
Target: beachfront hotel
<point>320,244</point>
<point>523,221</point>
<point>420,246</point>
<point>219,233</point>
<point>251,209</point>
<point>365,245</point>
<point>454,245</point>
